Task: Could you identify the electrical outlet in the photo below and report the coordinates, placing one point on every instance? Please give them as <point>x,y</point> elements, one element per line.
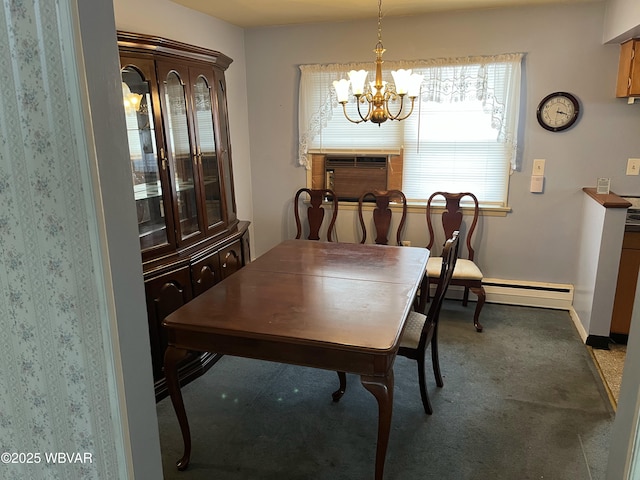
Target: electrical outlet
<point>633,166</point>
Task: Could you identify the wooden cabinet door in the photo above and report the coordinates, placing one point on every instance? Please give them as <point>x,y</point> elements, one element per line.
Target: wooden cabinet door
<point>629,69</point>
<point>205,273</point>
<point>626,286</point>
<point>165,294</point>
<point>206,131</point>
<point>224,147</point>
<point>181,152</point>
<point>231,259</point>
<point>151,189</point>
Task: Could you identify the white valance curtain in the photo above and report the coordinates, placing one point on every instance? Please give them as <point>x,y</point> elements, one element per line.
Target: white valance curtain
<point>495,80</point>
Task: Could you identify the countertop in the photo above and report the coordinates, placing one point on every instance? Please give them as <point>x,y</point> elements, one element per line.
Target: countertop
<point>609,200</point>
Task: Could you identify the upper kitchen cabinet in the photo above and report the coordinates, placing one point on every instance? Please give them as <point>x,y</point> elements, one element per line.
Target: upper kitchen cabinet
<point>629,69</point>
<point>176,116</point>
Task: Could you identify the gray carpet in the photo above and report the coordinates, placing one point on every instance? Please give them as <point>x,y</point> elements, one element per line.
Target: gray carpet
<point>522,400</point>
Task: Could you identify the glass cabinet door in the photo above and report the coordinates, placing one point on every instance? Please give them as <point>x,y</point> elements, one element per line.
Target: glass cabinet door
<point>174,98</point>
<point>224,147</point>
<point>137,77</point>
<point>206,146</point>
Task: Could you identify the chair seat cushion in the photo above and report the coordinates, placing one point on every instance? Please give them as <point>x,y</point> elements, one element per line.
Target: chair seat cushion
<point>412,331</point>
<point>464,269</point>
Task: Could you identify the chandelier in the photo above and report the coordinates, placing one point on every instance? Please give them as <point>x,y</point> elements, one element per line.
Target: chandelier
<point>378,94</point>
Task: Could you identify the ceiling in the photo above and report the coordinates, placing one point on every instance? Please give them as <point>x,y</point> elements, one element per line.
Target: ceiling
<point>258,13</point>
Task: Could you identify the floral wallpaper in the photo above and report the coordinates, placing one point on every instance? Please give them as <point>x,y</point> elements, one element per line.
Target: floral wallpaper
<point>56,405</point>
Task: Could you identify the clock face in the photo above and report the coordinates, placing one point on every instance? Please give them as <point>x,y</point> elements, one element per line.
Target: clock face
<point>558,111</point>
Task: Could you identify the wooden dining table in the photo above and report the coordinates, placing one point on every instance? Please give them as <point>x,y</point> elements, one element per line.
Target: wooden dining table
<point>334,306</point>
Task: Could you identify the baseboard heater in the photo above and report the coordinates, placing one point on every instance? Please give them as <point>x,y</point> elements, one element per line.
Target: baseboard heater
<point>557,296</point>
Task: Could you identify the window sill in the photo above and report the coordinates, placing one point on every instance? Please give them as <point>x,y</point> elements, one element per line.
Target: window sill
<point>421,207</point>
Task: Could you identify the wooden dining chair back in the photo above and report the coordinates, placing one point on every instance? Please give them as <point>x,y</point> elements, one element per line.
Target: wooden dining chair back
<point>382,215</point>
<point>315,212</point>
<point>421,330</point>
<point>467,273</point>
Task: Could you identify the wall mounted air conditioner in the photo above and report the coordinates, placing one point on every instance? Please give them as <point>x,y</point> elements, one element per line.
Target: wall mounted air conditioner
<point>351,176</point>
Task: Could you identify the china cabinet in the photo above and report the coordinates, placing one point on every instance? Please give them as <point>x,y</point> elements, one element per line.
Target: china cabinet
<point>175,106</point>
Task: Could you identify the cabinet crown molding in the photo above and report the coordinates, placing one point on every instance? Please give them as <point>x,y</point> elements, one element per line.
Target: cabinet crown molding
<point>159,45</point>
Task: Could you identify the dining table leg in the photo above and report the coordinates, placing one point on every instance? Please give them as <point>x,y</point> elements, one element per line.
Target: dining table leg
<point>382,388</point>
<point>172,358</point>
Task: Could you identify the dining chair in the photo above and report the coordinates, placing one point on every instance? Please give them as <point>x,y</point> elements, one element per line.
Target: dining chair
<point>315,212</point>
<point>467,273</point>
<point>382,214</point>
<point>421,330</point>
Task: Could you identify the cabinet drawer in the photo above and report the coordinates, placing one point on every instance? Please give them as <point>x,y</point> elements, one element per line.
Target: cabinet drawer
<point>165,294</point>
<point>231,259</point>
<point>205,273</point>
<point>631,240</point>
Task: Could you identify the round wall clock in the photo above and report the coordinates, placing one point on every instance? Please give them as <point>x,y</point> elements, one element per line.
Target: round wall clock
<point>558,111</point>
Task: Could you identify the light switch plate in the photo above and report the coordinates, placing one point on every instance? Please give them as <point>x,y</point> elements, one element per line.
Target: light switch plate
<point>633,166</point>
<point>538,166</point>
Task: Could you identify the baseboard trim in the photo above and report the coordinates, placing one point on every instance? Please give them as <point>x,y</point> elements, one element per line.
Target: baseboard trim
<point>619,338</point>
<point>578,324</point>
<point>598,341</point>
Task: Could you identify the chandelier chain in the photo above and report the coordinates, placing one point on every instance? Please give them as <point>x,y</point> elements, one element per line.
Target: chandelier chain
<point>380,22</point>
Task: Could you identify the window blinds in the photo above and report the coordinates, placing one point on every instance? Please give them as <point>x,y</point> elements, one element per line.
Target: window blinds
<point>461,136</point>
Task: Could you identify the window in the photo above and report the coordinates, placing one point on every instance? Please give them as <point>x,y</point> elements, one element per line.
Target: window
<point>460,137</point>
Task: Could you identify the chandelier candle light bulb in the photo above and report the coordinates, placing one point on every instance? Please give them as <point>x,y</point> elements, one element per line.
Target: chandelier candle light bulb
<point>342,89</point>
<point>358,79</point>
<point>131,100</point>
<point>401,79</point>
<point>379,93</point>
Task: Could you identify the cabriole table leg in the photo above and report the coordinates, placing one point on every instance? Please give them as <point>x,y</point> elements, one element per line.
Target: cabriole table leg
<point>172,358</point>
<point>382,389</point>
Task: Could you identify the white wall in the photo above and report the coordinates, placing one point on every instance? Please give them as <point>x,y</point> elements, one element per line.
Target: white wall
<point>537,241</point>
<point>166,19</point>
<point>621,21</point>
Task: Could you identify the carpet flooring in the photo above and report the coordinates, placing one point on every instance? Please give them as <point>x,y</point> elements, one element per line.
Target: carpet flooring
<point>521,400</point>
